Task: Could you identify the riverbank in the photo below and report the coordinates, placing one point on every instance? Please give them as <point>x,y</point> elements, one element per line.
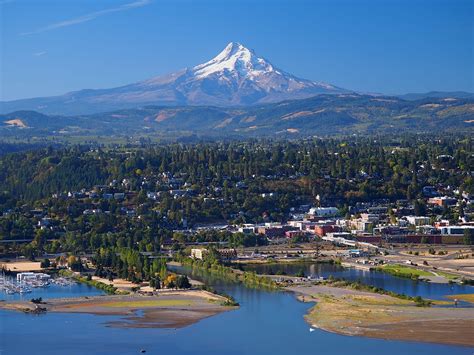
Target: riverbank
<point>171,309</point>
<point>360,313</point>
<point>249,279</point>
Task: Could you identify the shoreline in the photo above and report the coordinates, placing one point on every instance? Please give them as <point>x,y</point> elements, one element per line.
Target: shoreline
<point>350,312</point>
<point>173,309</point>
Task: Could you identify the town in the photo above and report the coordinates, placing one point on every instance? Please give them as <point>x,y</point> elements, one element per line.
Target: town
<point>256,202</point>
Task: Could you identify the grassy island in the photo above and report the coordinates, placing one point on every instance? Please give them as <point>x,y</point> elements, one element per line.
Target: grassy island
<point>404,271</point>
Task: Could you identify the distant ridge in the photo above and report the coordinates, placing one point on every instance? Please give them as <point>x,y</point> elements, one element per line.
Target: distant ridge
<point>318,115</point>
<point>438,94</point>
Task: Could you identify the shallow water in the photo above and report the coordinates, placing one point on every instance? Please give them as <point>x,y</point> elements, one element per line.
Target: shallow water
<point>266,323</point>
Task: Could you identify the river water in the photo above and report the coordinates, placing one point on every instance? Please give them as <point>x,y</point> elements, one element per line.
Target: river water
<point>373,278</point>
<point>266,323</point>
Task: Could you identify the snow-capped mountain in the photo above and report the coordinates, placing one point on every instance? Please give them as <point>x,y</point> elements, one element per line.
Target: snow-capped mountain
<point>236,76</point>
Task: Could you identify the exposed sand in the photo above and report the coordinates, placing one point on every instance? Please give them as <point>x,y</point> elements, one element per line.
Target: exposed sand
<point>174,309</point>
<point>22,266</point>
<point>351,312</point>
<point>443,331</point>
<point>16,122</point>
<point>121,284</point>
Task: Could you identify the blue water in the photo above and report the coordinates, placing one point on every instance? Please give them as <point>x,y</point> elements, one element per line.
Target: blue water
<point>374,278</point>
<point>266,323</point>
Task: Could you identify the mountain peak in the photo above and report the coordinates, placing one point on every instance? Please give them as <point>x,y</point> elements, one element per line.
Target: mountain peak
<point>235,58</point>
<point>233,47</point>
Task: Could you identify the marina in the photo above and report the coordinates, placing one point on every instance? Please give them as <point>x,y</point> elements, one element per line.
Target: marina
<point>24,282</point>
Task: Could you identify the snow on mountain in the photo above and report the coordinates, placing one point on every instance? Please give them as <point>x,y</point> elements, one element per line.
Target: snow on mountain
<point>238,64</point>
<point>237,59</point>
<point>235,77</point>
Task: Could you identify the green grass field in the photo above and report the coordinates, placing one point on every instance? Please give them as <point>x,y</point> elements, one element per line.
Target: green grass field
<point>405,271</point>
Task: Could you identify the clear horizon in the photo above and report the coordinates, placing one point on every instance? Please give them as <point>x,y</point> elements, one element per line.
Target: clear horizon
<point>389,47</point>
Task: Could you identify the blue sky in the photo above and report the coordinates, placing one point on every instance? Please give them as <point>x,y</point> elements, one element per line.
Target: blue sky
<point>389,46</point>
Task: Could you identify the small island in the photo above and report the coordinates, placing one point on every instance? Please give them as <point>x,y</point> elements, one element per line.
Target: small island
<point>170,309</point>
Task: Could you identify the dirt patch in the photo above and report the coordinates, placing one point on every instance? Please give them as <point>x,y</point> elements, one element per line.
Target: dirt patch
<point>22,266</point>
<point>16,122</point>
<point>450,331</point>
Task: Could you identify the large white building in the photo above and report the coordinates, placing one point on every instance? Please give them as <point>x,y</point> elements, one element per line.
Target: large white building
<point>32,276</point>
<point>198,253</point>
<point>324,211</point>
<point>418,220</point>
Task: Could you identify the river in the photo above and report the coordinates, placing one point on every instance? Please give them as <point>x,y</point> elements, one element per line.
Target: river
<point>373,278</point>
<point>266,323</point>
